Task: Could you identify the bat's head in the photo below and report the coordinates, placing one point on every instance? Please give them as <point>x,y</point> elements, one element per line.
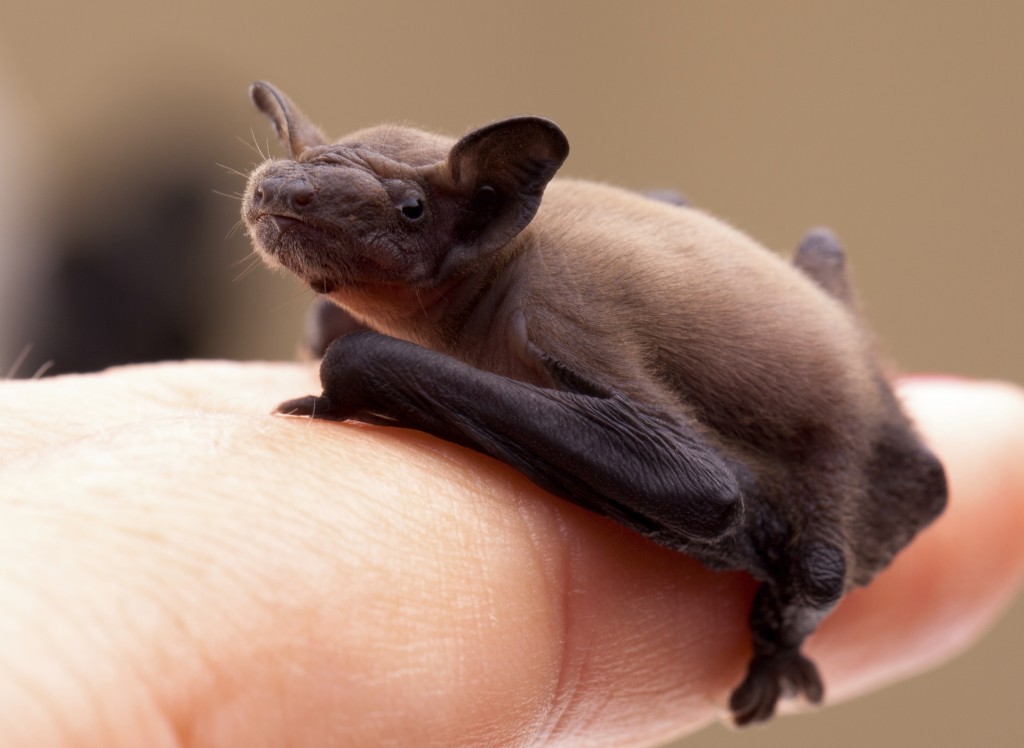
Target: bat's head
<point>394,207</point>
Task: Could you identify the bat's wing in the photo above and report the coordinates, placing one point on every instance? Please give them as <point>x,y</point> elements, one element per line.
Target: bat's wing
<point>585,443</point>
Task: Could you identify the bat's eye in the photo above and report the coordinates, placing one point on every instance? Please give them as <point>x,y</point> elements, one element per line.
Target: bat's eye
<point>412,209</point>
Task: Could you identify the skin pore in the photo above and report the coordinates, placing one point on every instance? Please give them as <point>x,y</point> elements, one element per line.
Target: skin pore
<point>178,567</point>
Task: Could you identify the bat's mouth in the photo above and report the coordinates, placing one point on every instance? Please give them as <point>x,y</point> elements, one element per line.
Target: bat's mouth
<point>288,241</point>
<point>283,222</point>
<point>278,235</point>
<point>309,252</point>
<point>271,227</point>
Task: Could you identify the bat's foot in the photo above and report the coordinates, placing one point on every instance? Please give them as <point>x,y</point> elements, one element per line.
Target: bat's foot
<point>770,677</point>
<point>309,406</point>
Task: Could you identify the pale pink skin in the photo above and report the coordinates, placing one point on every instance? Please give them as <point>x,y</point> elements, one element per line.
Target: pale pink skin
<point>179,567</point>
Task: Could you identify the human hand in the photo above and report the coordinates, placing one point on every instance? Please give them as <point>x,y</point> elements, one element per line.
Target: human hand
<point>178,565</point>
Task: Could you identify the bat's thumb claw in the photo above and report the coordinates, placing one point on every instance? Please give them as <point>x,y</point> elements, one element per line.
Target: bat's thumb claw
<point>301,406</point>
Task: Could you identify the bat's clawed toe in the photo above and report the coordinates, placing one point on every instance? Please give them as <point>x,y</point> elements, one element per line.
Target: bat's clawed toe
<point>769,678</point>
<point>755,699</point>
<point>309,406</point>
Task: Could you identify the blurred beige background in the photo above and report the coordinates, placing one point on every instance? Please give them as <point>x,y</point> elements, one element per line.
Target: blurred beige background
<point>900,125</point>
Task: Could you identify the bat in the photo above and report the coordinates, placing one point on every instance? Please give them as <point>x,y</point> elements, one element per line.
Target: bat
<point>634,356</point>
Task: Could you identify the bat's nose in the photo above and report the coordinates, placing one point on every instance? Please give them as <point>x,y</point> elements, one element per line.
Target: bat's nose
<point>294,195</point>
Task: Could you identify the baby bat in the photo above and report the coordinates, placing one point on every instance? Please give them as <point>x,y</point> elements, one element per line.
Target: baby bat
<point>641,359</point>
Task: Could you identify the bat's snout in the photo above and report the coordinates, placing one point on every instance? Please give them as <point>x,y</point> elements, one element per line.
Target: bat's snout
<point>288,196</point>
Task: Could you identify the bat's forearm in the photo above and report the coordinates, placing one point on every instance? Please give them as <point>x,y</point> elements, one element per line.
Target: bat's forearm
<point>602,452</point>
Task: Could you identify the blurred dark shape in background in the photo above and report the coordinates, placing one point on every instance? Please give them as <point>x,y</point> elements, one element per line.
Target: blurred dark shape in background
<point>134,257</point>
<point>130,276</point>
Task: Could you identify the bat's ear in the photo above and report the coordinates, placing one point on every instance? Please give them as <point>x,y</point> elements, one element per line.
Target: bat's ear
<point>501,170</point>
<point>294,129</point>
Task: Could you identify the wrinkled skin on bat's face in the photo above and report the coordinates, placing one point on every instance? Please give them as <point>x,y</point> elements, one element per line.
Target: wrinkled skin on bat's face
<point>392,205</point>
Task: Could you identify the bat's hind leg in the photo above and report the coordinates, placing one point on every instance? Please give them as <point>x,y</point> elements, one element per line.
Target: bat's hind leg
<point>783,616</point>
